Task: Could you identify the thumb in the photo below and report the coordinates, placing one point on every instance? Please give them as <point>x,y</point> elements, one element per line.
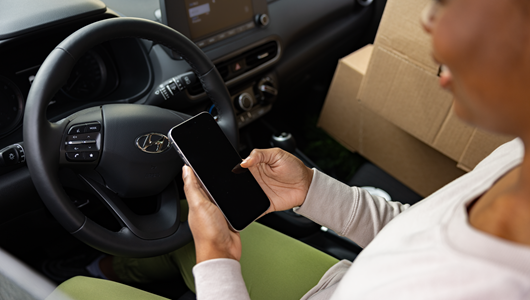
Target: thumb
<point>253,159</point>
<point>266,156</point>
<point>193,190</point>
<point>256,157</point>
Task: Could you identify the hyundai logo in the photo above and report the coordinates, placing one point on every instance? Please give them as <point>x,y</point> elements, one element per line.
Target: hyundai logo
<point>153,143</point>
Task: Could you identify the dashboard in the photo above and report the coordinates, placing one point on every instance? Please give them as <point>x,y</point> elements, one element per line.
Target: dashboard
<point>132,70</point>
<point>261,56</point>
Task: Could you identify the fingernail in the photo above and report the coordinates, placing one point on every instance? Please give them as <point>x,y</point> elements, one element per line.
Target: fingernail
<point>238,169</point>
<point>185,172</point>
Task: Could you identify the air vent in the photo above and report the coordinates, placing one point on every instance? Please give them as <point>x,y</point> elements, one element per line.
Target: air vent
<point>261,54</point>
<point>241,64</point>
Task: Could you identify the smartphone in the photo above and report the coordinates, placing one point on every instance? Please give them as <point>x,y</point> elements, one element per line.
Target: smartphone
<point>203,146</point>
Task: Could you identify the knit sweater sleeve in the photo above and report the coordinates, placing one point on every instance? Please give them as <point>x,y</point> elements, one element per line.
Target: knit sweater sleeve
<point>349,211</point>
<point>220,279</point>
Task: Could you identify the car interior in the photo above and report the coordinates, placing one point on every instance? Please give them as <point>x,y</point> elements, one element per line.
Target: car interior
<point>84,84</point>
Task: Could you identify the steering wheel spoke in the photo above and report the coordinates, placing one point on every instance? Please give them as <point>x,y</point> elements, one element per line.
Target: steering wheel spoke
<point>157,225</point>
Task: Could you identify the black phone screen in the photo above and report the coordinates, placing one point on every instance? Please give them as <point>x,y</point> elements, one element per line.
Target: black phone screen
<point>212,157</point>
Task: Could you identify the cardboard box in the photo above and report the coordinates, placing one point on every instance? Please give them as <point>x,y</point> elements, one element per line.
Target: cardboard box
<point>340,116</point>
<point>403,121</point>
<point>403,156</point>
<point>402,86</point>
<point>400,31</point>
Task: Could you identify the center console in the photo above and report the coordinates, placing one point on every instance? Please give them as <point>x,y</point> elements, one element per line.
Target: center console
<point>255,100</point>
<point>246,71</point>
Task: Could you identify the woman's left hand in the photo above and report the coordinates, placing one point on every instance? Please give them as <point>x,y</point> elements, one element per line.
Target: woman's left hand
<point>211,233</point>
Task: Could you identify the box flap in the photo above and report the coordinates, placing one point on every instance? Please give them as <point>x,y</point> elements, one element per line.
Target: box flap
<point>405,94</point>
<point>401,32</point>
<point>453,137</point>
<point>359,59</point>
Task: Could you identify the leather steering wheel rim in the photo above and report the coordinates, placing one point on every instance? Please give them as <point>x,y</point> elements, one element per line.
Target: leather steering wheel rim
<point>39,133</point>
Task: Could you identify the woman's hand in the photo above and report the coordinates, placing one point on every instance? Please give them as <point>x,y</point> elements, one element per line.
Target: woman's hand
<point>213,238</point>
<point>283,177</point>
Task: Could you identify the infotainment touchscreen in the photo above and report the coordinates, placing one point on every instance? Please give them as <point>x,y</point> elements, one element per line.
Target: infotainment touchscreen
<point>207,22</point>
<point>210,16</point>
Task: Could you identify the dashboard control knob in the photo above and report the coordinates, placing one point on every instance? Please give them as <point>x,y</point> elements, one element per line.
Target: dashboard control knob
<point>267,90</point>
<point>262,20</point>
<point>244,102</point>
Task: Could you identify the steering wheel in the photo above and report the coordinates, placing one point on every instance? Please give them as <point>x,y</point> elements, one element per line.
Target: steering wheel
<point>120,151</point>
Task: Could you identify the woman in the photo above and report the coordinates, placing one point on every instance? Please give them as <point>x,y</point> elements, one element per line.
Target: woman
<point>469,240</point>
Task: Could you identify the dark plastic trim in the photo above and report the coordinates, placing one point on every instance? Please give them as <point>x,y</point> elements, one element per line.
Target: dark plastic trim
<point>22,16</point>
<point>250,73</point>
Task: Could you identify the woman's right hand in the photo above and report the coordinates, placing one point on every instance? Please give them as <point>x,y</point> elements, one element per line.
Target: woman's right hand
<point>284,178</point>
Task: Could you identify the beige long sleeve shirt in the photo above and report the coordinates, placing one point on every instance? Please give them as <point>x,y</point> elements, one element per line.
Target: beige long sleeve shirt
<point>427,251</point>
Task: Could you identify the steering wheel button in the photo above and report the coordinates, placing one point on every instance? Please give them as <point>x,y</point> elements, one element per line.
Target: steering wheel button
<point>90,156</point>
<point>76,137</point>
<point>81,147</point>
<point>82,137</point>
<point>77,129</point>
<point>93,128</point>
<point>74,148</point>
<point>74,156</point>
